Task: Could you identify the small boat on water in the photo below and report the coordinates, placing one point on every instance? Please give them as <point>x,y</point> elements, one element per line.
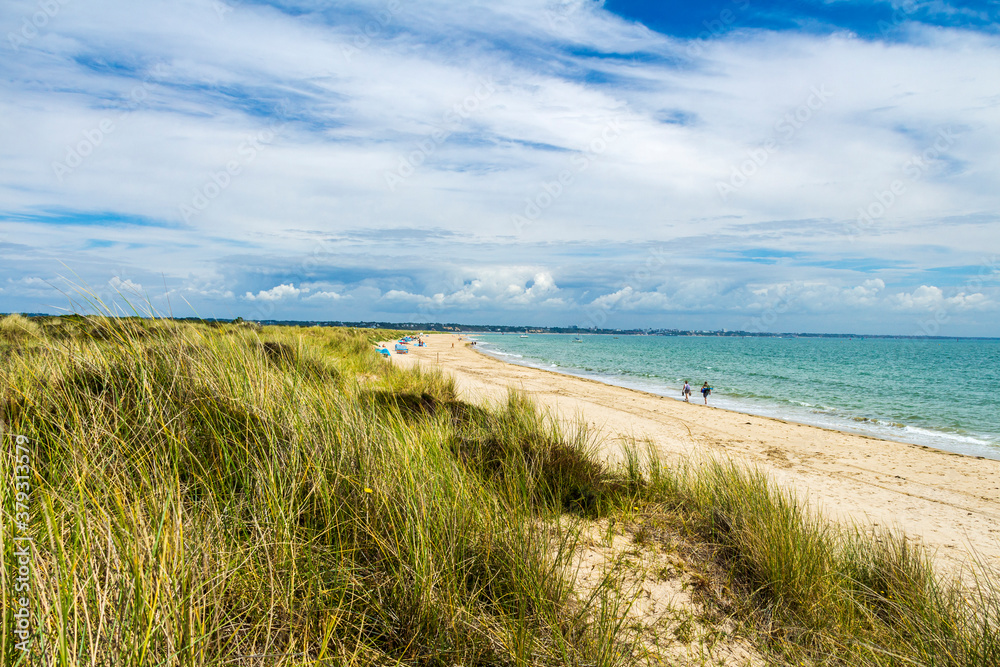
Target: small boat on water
<point>577,340</point>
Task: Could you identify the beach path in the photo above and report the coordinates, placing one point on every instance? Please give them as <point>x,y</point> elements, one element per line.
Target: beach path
<point>949,501</point>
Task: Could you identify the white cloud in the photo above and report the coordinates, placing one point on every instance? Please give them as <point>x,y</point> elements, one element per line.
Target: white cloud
<point>629,299</point>
<point>543,287</point>
<point>930,298</point>
<point>31,281</point>
<point>328,296</point>
<point>502,287</point>
<point>865,294</point>
<point>126,285</point>
<point>216,293</point>
<point>868,297</point>
<point>274,294</point>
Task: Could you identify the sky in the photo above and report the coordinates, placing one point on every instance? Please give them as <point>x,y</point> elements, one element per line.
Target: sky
<point>812,166</point>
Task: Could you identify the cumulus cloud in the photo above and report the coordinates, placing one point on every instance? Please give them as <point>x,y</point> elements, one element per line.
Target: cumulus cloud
<point>276,293</point>
<point>501,287</point>
<point>865,294</point>
<point>126,285</point>
<point>542,288</point>
<point>628,298</point>
<point>931,298</point>
<point>869,297</point>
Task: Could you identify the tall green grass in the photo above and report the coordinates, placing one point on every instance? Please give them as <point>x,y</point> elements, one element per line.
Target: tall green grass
<point>221,495</point>
<point>230,495</point>
<point>817,591</point>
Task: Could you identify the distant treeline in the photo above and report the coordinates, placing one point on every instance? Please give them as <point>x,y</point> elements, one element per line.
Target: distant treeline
<point>455,327</point>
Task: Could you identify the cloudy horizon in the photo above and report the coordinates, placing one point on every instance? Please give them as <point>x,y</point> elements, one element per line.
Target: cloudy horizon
<point>826,166</point>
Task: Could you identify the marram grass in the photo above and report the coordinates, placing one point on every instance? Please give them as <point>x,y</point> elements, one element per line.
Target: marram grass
<point>226,496</point>
<point>230,495</point>
<point>816,592</point>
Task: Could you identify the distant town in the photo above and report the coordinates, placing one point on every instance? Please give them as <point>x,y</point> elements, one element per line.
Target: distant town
<point>455,327</point>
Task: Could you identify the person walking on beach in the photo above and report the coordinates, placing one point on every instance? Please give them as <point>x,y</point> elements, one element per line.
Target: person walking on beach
<point>705,391</point>
<point>686,391</point>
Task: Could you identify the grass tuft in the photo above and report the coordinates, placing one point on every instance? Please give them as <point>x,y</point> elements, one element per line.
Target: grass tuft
<point>816,590</point>
<point>16,328</point>
<point>523,454</point>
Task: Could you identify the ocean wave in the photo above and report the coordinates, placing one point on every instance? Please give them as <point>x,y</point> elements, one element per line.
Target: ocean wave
<point>966,439</point>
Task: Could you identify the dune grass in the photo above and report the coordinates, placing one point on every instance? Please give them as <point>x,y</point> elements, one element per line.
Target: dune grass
<point>816,592</point>
<point>230,495</point>
<point>204,495</point>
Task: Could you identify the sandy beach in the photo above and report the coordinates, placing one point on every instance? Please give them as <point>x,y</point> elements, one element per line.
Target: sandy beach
<point>949,501</point>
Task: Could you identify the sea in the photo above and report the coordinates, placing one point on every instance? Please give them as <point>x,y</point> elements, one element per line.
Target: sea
<point>939,393</point>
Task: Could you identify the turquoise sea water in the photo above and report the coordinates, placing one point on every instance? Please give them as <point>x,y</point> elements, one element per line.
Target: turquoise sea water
<point>941,393</point>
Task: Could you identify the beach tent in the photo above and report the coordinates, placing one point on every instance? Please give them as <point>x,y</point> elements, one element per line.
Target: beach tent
<point>384,352</point>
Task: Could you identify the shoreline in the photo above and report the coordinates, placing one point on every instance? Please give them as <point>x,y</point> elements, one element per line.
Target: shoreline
<point>884,426</point>
<point>787,420</point>
<point>951,501</point>
<point>780,420</point>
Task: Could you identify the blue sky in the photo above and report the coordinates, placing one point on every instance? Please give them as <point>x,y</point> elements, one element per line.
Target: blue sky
<point>784,166</point>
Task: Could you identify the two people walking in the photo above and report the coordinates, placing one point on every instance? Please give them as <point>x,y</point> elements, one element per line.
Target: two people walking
<point>686,391</point>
